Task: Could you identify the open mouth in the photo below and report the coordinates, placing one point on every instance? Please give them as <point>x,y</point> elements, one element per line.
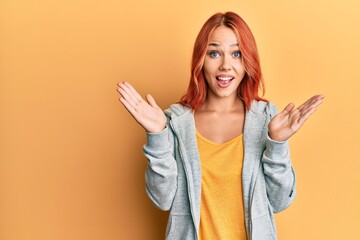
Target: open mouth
<point>224,82</point>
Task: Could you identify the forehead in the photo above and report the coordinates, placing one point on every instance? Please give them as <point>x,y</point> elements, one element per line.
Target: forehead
<point>224,36</point>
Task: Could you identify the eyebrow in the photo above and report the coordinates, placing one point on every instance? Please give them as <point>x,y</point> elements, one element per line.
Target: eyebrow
<point>218,44</point>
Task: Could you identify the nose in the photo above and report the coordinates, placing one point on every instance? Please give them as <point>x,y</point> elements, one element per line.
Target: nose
<point>225,63</point>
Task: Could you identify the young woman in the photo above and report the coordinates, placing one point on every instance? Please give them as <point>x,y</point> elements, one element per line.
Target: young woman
<point>219,160</point>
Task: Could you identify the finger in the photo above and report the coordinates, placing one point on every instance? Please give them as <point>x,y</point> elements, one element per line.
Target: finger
<point>319,96</point>
<point>130,93</point>
<point>127,97</point>
<point>312,104</point>
<point>302,106</point>
<point>316,103</point>
<point>310,101</point>
<point>306,115</point>
<point>128,107</point>
<point>151,101</point>
<point>288,108</point>
<point>134,92</point>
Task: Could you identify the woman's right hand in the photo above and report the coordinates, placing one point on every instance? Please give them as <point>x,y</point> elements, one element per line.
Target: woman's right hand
<point>147,113</point>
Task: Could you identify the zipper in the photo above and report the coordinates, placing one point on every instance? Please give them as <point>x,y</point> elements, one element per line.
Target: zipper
<point>187,176</point>
<point>294,182</point>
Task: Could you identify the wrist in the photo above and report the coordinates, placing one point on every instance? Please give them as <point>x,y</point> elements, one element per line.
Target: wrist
<point>155,130</point>
<point>277,137</point>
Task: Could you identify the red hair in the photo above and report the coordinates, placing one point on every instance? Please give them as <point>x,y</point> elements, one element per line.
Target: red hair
<point>251,83</point>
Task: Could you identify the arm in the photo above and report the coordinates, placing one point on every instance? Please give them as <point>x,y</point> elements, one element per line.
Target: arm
<point>278,169</point>
<point>161,172</point>
<point>279,174</point>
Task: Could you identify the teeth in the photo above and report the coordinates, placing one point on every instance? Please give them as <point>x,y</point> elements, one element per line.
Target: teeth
<point>224,78</point>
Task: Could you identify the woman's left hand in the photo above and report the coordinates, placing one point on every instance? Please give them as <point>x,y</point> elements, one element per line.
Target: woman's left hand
<point>290,120</point>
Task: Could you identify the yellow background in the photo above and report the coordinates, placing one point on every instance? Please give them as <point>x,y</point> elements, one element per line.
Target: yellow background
<point>71,163</point>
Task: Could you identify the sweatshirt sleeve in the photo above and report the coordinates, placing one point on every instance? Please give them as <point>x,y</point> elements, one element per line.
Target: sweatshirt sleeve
<point>161,172</point>
<point>279,172</point>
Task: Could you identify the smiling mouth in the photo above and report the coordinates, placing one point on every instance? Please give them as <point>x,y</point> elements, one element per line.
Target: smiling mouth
<point>224,82</point>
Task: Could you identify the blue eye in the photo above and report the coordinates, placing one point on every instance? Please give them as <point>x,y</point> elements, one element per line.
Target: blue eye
<point>237,54</point>
<point>214,54</point>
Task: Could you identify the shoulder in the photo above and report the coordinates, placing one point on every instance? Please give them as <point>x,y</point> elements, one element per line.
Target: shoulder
<point>177,110</point>
<point>263,108</point>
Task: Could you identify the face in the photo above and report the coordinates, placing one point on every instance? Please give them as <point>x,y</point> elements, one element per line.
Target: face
<point>223,68</point>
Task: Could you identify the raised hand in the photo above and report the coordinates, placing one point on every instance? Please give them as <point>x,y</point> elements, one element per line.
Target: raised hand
<point>147,113</point>
<point>290,120</point>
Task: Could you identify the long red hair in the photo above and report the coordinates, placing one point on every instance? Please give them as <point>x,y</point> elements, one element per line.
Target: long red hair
<point>251,83</point>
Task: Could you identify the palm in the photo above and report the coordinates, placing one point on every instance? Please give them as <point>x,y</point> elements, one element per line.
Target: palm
<point>147,113</point>
<point>290,120</point>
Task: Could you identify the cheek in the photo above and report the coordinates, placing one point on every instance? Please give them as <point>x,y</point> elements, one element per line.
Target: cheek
<point>239,68</point>
<point>207,76</point>
<point>209,69</point>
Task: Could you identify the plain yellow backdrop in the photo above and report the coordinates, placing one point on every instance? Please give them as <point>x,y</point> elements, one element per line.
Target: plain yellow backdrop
<point>71,163</point>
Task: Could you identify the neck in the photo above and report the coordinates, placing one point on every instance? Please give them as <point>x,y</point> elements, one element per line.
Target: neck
<point>223,104</point>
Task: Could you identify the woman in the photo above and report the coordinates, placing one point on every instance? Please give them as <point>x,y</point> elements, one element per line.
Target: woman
<point>219,159</point>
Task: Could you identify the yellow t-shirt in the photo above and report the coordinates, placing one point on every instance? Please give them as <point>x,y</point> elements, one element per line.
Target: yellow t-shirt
<point>222,209</point>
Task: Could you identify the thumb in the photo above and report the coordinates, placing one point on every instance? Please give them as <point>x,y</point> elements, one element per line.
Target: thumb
<point>288,108</point>
<point>151,101</point>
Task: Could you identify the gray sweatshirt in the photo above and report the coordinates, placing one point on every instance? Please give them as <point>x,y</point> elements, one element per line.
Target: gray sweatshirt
<point>173,175</point>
